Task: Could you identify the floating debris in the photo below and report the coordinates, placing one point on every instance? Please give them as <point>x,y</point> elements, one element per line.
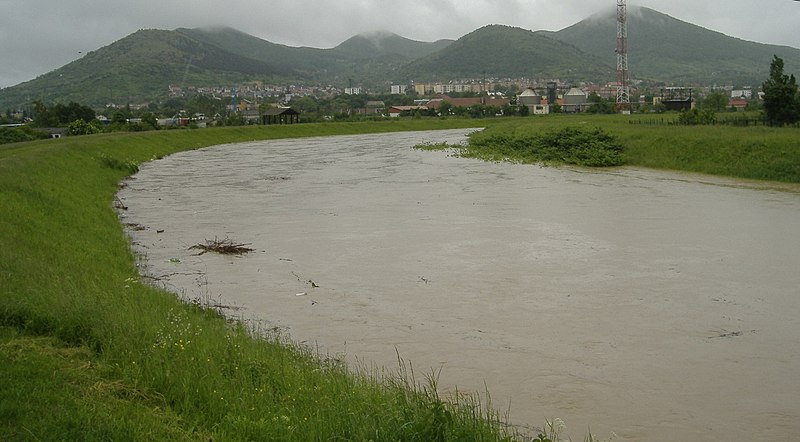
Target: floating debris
<point>222,246</point>
<point>730,334</point>
<point>135,227</point>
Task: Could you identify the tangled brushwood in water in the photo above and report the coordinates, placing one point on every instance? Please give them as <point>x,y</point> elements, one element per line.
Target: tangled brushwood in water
<point>224,246</point>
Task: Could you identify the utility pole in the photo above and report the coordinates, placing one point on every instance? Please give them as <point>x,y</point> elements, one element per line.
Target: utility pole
<point>623,89</point>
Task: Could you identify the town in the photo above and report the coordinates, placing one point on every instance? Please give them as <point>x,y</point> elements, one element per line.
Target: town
<point>476,98</point>
<point>261,103</point>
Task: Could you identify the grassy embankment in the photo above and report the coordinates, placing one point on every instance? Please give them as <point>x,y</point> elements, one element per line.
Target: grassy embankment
<point>89,352</point>
<point>759,153</point>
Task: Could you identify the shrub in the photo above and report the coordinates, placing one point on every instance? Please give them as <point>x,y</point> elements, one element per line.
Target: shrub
<point>569,145</point>
<point>696,117</point>
<point>18,134</point>
<point>81,127</point>
<point>128,166</point>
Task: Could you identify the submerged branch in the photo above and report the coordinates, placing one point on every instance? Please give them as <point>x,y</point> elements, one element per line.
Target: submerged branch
<point>223,246</point>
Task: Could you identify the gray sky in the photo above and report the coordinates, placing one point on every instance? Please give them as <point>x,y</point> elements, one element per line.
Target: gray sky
<point>37,36</point>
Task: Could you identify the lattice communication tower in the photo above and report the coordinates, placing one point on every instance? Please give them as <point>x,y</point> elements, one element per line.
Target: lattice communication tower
<point>623,89</point>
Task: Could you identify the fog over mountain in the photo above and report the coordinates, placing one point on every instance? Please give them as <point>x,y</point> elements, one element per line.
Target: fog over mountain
<point>39,36</point>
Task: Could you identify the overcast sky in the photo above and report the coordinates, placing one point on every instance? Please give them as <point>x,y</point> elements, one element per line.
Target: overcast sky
<point>37,36</point>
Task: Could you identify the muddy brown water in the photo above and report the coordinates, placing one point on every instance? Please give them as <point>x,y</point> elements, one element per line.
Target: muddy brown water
<point>657,305</point>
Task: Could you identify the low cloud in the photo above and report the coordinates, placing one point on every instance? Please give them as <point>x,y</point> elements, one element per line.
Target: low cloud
<point>42,35</point>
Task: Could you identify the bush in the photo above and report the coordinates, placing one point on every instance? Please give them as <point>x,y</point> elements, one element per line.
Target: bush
<point>80,127</point>
<point>19,134</point>
<point>569,145</point>
<point>129,166</point>
<point>696,117</point>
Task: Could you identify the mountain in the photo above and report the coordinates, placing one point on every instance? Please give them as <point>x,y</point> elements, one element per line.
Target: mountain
<point>303,60</point>
<point>376,45</point>
<point>507,52</point>
<point>364,57</point>
<point>663,48</point>
<point>142,66</point>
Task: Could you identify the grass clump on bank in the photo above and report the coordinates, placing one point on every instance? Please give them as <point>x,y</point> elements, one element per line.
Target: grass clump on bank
<point>553,146</point>
<point>90,352</point>
<point>566,145</point>
<point>755,152</point>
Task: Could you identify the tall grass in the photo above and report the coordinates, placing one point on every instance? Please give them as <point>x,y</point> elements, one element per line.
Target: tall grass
<point>567,145</point>
<point>80,333</point>
<point>760,153</point>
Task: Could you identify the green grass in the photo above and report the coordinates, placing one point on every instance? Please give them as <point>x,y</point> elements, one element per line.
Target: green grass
<point>555,146</point>
<point>91,353</point>
<point>759,153</point>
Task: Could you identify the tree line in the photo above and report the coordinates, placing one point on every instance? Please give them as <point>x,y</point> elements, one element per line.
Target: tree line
<point>781,97</point>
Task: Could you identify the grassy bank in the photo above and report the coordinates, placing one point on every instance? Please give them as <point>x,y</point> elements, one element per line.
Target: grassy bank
<point>760,153</point>
<point>89,352</point>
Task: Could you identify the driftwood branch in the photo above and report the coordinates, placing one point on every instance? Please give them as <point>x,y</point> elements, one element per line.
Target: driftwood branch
<point>222,246</point>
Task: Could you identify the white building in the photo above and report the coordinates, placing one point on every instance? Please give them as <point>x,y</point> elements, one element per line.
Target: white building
<point>399,89</point>
<point>575,101</point>
<point>746,93</point>
<point>534,102</point>
<point>444,88</point>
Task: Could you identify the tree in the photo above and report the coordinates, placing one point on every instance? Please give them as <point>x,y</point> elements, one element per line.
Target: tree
<point>149,121</point>
<point>43,116</point>
<point>600,105</point>
<point>715,101</point>
<point>445,108</point>
<point>780,96</point>
<point>81,127</point>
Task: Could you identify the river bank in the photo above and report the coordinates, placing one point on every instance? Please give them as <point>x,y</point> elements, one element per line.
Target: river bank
<point>91,351</point>
<point>72,304</point>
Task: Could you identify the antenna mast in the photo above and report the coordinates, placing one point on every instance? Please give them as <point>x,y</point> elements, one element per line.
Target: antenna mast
<point>623,91</point>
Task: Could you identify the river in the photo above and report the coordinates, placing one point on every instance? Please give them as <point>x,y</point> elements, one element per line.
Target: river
<point>661,306</point>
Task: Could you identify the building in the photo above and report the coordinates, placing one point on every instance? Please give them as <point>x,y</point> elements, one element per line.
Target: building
<point>676,98</point>
<point>541,109</point>
<point>399,89</point>
<point>375,108</point>
<point>530,99</point>
<point>746,93</point>
<point>280,115</point>
<point>422,88</point>
<point>495,101</point>
<point>370,109</point>
<point>737,103</point>
<point>396,111</point>
<point>575,101</point>
<point>352,91</point>
<point>444,88</point>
